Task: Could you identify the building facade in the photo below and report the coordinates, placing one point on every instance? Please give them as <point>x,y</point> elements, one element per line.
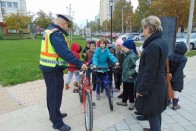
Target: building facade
<point>11,6</point>
<point>105,9</point>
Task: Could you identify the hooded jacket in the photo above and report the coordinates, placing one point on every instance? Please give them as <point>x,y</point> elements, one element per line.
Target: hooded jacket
<point>75,49</point>
<point>101,57</point>
<point>177,62</point>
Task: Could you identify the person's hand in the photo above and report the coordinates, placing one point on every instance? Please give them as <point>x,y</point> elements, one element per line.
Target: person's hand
<point>84,67</point>
<point>117,64</point>
<point>138,94</point>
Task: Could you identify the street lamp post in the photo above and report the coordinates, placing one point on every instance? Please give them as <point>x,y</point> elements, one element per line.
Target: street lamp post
<point>123,18</point>
<point>111,4</point>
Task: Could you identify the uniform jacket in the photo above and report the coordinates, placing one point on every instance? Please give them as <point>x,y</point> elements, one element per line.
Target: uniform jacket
<point>177,62</point>
<point>75,48</point>
<point>60,45</point>
<point>151,79</point>
<point>101,57</point>
<point>128,67</point>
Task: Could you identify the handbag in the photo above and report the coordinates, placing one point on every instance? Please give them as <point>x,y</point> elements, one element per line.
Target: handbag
<point>168,78</point>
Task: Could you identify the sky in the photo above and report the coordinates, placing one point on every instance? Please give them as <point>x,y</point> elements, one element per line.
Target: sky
<point>81,10</point>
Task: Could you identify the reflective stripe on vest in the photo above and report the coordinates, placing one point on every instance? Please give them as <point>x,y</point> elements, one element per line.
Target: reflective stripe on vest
<point>53,61</point>
<point>48,56</point>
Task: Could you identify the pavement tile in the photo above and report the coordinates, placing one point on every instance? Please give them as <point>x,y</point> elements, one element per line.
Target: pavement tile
<point>121,125</point>
<point>167,119</point>
<point>135,127</point>
<point>36,118</point>
<point>190,128</point>
<point>176,127</point>
<point>181,120</point>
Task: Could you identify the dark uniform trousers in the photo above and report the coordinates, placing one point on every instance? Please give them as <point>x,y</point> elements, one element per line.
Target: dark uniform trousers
<point>54,84</point>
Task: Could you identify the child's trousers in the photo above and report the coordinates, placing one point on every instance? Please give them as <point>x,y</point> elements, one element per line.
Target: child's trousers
<point>70,75</point>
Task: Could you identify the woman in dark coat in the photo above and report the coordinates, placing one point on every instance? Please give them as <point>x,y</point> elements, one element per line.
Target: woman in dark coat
<point>151,86</point>
<point>177,62</point>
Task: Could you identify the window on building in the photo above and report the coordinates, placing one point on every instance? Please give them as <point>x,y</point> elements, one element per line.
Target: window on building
<point>15,5</point>
<point>9,4</point>
<point>3,4</point>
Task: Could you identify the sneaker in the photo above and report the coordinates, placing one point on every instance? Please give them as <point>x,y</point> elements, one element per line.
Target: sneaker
<point>75,84</point>
<point>75,90</point>
<point>121,103</point>
<point>97,96</point>
<point>116,90</point>
<point>66,87</point>
<point>131,106</point>
<point>121,95</point>
<point>176,107</point>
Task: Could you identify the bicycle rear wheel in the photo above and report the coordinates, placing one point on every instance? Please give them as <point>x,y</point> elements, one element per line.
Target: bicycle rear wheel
<point>110,96</point>
<point>88,113</point>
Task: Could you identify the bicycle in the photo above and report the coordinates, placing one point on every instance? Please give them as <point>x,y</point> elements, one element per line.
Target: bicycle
<point>106,83</point>
<point>85,96</point>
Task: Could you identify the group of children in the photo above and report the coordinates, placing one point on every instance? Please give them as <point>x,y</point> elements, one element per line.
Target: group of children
<point>124,55</point>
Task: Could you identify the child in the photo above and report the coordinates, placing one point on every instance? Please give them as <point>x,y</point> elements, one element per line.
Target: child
<point>112,49</point>
<point>177,62</point>
<point>88,55</point>
<point>76,49</point>
<point>86,48</point>
<point>118,71</point>
<point>100,58</point>
<point>128,73</point>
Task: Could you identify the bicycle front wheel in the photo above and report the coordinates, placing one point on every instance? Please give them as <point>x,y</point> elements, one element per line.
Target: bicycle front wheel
<point>110,96</point>
<point>88,112</point>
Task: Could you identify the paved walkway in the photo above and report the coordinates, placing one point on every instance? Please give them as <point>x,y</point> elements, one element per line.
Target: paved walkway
<point>35,117</point>
<point>7,103</point>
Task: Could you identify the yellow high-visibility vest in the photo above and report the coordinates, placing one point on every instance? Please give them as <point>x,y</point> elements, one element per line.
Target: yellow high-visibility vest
<point>48,56</point>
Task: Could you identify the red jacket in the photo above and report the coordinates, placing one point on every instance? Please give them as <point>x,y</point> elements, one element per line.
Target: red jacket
<point>76,49</point>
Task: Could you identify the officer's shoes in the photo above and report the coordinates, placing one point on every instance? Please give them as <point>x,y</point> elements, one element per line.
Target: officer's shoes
<point>63,115</point>
<point>63,128</point>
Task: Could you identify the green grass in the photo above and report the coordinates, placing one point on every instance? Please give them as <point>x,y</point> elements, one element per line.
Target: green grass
<point>191,53</point>
<point>19,60</point>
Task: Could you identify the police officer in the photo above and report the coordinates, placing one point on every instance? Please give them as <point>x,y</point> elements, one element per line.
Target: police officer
<point>54,57</point>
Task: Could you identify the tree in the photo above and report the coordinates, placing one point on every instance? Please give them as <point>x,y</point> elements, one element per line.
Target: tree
<point>18,21</point>
<point>44,20</point>
<point>117,15</point>
<point>143,10</point>
<point>178,8</point>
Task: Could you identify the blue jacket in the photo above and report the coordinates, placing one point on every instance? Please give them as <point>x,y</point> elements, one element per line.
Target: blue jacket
<point>101,57</point>
<point>60,46</point>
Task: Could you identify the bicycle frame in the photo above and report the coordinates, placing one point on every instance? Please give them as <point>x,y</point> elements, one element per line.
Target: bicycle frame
<point>107,85</point>
<point>85,87</point>
<point>85,93</point>
<point>106,80</point>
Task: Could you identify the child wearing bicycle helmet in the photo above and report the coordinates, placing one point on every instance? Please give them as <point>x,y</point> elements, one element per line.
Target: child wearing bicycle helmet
<point>100,59</point>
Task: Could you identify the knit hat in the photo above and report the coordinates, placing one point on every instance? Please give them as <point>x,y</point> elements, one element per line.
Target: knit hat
<point>119,41</point>
<point>111,46</point>
<point>130,44</point>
